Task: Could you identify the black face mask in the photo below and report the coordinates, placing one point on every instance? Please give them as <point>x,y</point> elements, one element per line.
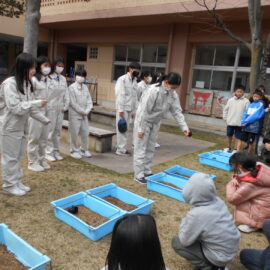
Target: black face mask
<point>135,74</point>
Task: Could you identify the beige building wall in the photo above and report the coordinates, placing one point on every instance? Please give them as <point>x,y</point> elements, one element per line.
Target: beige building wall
<point>49,6</point>
<point>102,68</point>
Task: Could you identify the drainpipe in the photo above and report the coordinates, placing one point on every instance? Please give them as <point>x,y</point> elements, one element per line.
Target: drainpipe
<point>169,54</point>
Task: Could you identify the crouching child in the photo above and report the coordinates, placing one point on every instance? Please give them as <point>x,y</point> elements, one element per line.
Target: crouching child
<point>208,237</point>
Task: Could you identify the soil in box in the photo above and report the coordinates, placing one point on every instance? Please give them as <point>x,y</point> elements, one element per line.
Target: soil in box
<point>169,184</point>
<point>119,203</point>
<point>8,260</point>
<point>91,218</point>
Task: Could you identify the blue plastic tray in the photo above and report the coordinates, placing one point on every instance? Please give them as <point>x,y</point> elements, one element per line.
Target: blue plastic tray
<point>82,198</point>
<point>24,253</point>
<point>154,183</point>
<point>143,205</point>
<point>218,159</point>
<point>183,173</point>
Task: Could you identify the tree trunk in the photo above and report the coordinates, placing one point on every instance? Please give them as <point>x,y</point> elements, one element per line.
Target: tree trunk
<point>255,67</point>
<point>31,26</point>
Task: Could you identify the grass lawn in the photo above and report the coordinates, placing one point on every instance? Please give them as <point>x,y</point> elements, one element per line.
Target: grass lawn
<point>32,218</point>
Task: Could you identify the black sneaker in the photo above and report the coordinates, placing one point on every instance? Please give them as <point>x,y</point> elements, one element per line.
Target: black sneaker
<point>141,180</point>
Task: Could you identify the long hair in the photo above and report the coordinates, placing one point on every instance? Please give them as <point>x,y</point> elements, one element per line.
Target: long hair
<point>246,160</point>
<point>173,78</point>
<point>135,245</point>
<point>24,62</point>
<point>40,60</point>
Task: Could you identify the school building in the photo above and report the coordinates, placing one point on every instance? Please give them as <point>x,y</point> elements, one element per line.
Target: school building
<point>104,36</point>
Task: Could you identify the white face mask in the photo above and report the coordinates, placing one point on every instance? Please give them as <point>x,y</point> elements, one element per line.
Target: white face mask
<point>80,79</point>
<point>59,70</point>
<point>46,71</point>
<point>149,79</point>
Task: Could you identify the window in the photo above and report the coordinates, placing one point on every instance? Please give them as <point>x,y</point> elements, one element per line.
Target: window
<point>93,54</point>
<point>152,57</point>
<point>221,67</point>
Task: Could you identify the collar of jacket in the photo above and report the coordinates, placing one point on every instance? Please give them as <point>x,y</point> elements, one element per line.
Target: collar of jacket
<point>79,85</point>
<point>236,98</point>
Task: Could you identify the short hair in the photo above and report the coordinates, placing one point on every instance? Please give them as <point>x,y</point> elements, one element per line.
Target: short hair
<point>266,158</point>
<point>240,86</point>
<point>262,87</point>
<point>145,74</point>
<point>57,60</point>
<point>258,92</point>
<point>266,140</point>
<point>134,65</point>
<point>80,72</point>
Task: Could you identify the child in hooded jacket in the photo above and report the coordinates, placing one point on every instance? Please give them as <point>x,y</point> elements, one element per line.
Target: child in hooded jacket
<point>249,191</point>
<point>208,238</point>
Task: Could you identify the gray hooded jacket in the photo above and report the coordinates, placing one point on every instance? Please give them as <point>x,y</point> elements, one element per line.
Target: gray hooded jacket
<point>209,222</point>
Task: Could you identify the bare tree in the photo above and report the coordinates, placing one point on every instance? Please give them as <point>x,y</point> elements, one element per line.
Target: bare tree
<point>256,45</point>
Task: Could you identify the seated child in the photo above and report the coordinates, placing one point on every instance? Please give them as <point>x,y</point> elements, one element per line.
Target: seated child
<point>252,119</point>
<point>265,154</point>
<point>254,259</point>
<point>135,245</point>
<point>249,191</point>
<point>208,238</point>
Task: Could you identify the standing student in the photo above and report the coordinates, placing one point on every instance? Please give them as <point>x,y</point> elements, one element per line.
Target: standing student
<point>38,133</point>
<point>232,114</point>
<point>125,94</point>
<point>143,85</point>
<point>252,119</point>
<point>80,106</point>
<point>19,101</point>
<point>58,103</point>
<point>159,99</point>
<point>249,191</point>
<point>208,237</point>
<point>135,245</point>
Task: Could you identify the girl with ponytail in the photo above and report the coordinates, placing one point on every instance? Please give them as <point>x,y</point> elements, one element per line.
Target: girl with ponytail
<point>249,191</point>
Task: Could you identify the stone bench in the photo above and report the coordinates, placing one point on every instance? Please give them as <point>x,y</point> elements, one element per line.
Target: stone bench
<point>100,139</point>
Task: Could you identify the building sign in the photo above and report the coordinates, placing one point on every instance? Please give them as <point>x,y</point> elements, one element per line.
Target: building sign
<point>220,100</point>
<point>200,101</point>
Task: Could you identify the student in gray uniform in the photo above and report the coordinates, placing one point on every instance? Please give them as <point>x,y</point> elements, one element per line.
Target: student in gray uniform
<point>208,238</point>
<point>135,245</point>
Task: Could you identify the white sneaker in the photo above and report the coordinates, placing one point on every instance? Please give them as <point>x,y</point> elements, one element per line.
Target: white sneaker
<point>23,187</point>
<point>234,151</point>
<point>14,190</point>
<point>50,158</point>
<point>35,167</point>
<point>87,154</point>
<point>127,153</point>
<point>58,156</point>
<point>76,155</point>
<point>157,145</point>
<point>45,165</point>
<point>247,229</point>
<point>227,149</point>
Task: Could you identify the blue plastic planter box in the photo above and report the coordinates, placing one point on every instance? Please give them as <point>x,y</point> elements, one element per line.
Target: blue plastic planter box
<point>183,173</point>
<point>218,159</point>
<point>103,209</point>
<point>24,253</point>
<point>154,183</point>
<point>143,205</point>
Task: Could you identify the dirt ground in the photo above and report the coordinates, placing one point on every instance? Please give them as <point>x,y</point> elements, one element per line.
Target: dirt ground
<point>32,217</point>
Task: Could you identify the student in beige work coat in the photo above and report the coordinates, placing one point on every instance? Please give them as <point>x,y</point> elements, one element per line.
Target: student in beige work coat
<point>159,98</point>
<point>38,133</point>
<point>80,106</point>
<point>57,104</point>
<point>125,94</point>
<point>19,104</point>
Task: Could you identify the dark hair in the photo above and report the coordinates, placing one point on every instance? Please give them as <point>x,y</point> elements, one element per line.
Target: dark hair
<point>135,245</point>
<point>134,65</point>
<point>173,78</point>
<point>266,140</point>
<point>57,60</point>
<point>266,158</point>
<point>80,72</point>
<point>24,62</point>
<point>261,86</point>
<point>258,92</point>
<point>41,60</point>
<point>145,74</point>
<point>240,86</point>
<point>246,160</point>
